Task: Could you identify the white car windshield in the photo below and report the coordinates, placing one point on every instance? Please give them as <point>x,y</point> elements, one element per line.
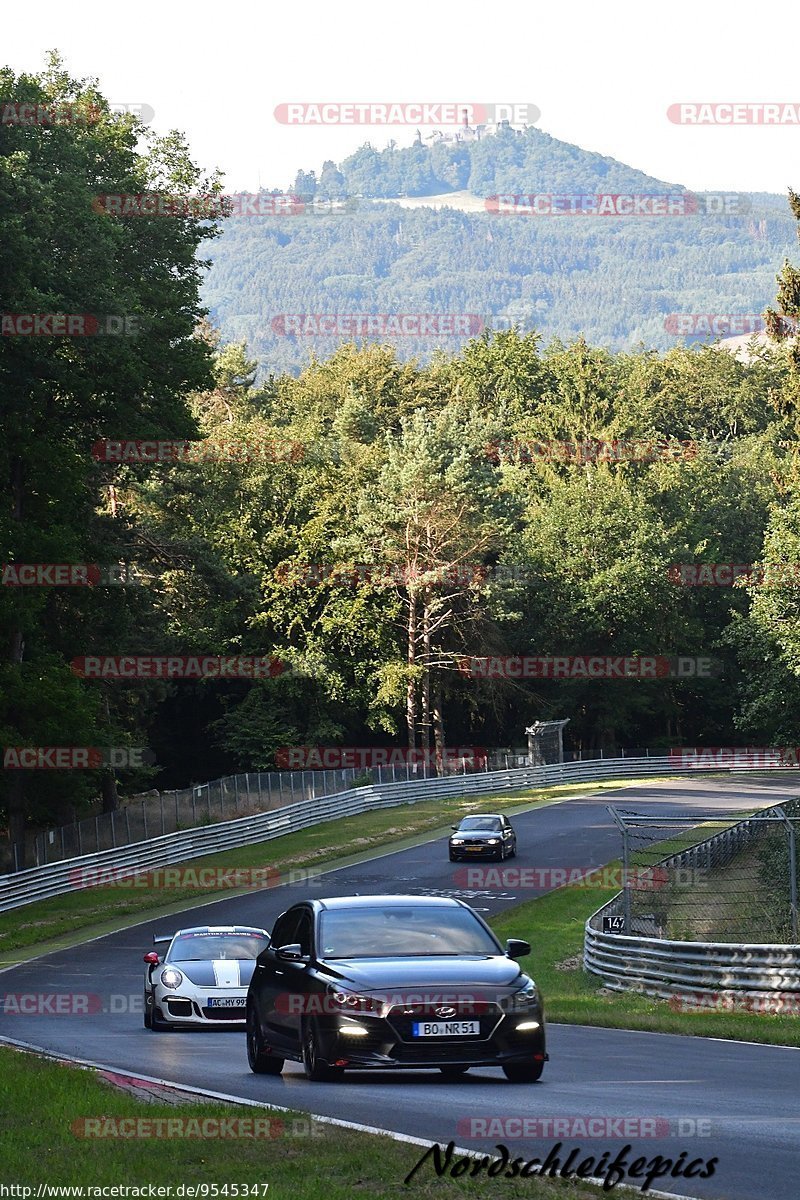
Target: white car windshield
<point>194,947</point>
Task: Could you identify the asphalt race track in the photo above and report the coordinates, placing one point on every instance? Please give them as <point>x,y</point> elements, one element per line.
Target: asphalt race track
<point>737,1101</point>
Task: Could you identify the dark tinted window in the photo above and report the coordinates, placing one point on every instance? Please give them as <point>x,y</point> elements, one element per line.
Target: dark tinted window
<point>473,824</point>
<point>401,932</point>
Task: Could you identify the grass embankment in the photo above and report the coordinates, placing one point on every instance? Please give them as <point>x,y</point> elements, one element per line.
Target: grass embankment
<point>89,912</point>
<point>43,1103</point>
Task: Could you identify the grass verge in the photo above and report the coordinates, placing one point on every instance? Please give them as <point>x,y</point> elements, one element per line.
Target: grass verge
<point>554,926</point>
<point>41,1104</point>
<point>90,912</point>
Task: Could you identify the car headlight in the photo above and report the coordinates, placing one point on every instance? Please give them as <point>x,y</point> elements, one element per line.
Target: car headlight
<point>351,1002</point>
<point>493,841</point>
<point>171,977</point>
<point>525,999</point>
<point>456,841</point>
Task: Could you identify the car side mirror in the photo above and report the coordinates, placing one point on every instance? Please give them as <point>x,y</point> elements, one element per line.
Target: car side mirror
<point>152,958</point>
<point>291,953</point>
<point>517,948</point>
<point>454,828</point>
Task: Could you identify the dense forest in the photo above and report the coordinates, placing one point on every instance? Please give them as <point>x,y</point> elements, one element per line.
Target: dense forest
<point>370,521</point>
<point>614,280</point>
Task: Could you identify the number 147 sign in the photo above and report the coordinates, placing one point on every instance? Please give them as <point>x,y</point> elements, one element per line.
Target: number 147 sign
<point>614,924</point>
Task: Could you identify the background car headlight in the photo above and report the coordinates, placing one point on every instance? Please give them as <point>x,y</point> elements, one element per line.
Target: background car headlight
<point>171,977</point>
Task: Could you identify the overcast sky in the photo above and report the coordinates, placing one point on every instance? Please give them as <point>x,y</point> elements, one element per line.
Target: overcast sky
<point>603,76</point>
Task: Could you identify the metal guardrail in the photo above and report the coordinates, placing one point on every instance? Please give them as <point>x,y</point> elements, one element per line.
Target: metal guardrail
<point>56,879</point>
<point>719,972</point>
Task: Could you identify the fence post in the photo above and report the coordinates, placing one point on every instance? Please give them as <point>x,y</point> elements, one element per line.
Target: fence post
<point>161,805</point>
<point>144,819</point>
<point>236,792</point>
<point>63,850</point>
<point>80,838</point>
<point>97,832</point>
<point>113,834</point>
<point>127,825</point>
<point>260,805</point>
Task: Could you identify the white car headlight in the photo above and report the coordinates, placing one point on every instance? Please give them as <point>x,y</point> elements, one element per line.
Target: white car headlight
<point>171,977</point>
<point>493,841</point>
<point>457,841</point>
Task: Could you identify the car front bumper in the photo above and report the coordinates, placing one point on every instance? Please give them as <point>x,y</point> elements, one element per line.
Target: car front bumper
<point>188,1009</point>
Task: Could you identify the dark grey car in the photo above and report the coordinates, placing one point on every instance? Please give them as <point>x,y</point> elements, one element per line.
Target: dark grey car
<point>488,835</point>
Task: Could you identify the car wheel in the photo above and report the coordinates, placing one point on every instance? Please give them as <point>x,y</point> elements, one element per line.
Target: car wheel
<point>453,1072</point>
<point>453,857</point>
<point>260,1062</point>
<point>316,1070</point>
<point>527,1072</point>
<point>513,849</point>
<point>147,1011</point>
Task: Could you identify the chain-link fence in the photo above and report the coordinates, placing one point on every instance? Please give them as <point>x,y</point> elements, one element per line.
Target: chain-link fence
<point>154,813</point>
<point>714,878</point>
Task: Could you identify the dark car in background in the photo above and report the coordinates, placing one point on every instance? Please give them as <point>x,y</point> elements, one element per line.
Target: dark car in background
<point>488,835</point>
<point>392,982</point>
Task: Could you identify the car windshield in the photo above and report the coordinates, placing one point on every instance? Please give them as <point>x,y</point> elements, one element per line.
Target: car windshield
<point>484,824</point>
<point>192,947</point>
<point>404,932</point>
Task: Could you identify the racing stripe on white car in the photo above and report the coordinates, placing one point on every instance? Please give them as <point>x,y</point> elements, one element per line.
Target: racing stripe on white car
<point>226,972</point>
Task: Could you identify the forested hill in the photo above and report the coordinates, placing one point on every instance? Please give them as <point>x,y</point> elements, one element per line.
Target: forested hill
<point>508,161</point>
<point>617,280</point>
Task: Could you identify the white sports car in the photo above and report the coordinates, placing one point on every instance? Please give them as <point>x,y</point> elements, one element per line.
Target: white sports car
<point>202,979</point>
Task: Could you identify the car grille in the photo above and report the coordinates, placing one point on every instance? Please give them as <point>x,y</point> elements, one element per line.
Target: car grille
<point>402,1021</point>
<point>441,1050</point>
<point>224,1013</point>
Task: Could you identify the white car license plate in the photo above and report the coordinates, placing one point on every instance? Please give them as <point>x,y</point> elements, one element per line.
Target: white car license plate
<point>446,1028</point>
<point>226,1001</point>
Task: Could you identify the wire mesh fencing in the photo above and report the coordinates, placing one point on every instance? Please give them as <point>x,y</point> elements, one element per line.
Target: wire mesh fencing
<point>712,878</point>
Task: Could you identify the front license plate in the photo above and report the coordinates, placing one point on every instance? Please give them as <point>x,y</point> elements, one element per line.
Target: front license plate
<point>226,1002</point>
<point>447,1028</point>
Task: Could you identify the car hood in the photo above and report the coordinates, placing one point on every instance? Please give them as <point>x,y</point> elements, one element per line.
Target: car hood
<point>222,973</point>
<point>378,974</point>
